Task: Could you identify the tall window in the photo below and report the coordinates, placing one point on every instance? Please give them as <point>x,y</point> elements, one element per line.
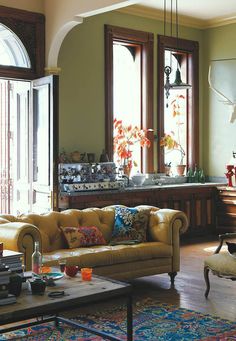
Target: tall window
<point>21,57</point>
<point>178,114</point>
<point>129,86</point>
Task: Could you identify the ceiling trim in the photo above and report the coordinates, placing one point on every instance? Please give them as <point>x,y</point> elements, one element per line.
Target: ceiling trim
<point>152,13</point>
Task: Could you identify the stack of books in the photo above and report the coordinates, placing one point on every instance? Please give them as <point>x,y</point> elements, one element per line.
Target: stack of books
<point>5,297</point>
<point>13,260</point>
<point>4,280</point>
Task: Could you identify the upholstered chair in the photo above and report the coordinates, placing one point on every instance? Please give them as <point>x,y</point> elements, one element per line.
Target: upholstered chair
<point>222,263</point>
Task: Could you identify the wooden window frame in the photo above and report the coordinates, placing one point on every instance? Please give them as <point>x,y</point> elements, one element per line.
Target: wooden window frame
<point>30,28</point>
<point>145,40</point>
<point>192,48</point>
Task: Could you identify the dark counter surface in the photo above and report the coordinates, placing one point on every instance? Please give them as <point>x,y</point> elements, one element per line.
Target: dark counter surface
<point>144,188</point>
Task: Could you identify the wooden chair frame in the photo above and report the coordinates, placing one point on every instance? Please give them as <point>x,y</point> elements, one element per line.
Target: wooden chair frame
<point>222,238</point>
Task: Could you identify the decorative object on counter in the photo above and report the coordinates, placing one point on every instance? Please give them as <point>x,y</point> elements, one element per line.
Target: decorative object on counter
<point>230,174</point>
<point>104,157</point>
<point>72,157</point>
<point>180,169</point>
<point>196,175</point>
<point>91,157</point>
<point>88,176</point>
<point>63,157</point>
<point>75,156</point>
<point>167,168</point>
<point>124,138</point>
<point>138,179</point>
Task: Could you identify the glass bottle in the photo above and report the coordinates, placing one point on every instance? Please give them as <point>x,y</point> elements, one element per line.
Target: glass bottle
<point>196,174</point>
<point>36,260</point>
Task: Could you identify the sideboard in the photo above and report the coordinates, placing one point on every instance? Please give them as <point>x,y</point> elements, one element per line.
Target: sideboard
<point>198,201</point>
<point>226,209</point>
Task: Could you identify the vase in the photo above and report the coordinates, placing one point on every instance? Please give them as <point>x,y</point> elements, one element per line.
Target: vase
<point>180,169</point>
<point>127,170</point>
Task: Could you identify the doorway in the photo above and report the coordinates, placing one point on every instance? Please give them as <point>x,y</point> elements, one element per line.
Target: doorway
<point>14,146</point>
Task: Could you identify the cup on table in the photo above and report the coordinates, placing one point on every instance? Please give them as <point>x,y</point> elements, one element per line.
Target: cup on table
<point>62,264</point>
<point>86,274</point>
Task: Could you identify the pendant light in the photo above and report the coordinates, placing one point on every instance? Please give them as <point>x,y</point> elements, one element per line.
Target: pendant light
<point>178,84</point>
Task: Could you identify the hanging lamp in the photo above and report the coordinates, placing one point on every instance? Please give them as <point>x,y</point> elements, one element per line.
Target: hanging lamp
<point>178,84</point>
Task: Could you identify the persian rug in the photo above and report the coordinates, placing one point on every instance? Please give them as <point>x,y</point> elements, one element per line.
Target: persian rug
<point>151,321</point>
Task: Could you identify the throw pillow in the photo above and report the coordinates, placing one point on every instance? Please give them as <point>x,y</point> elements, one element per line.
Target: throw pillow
<point>130,224</point>
<point>83,236</point>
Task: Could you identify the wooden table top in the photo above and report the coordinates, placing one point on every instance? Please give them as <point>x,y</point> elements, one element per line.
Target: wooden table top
<point>77,292</point>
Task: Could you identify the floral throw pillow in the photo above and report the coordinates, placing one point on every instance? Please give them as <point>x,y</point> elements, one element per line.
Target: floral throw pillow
<point>130,225</point>
<point>83,236</point>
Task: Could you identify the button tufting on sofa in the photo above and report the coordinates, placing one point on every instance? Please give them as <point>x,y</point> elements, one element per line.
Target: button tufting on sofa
<point>159,254</point>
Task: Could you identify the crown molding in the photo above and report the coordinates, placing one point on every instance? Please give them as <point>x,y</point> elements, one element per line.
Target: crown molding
<point>156,14</point>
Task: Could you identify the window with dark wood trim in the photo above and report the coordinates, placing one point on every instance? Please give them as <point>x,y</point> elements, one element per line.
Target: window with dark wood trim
<point>29,27</point>
<point>145,41</point>
<point>191,49</point>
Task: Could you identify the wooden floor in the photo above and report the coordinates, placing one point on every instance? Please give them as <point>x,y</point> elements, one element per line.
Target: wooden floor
<point>188,291</point>
<point>189,288</point>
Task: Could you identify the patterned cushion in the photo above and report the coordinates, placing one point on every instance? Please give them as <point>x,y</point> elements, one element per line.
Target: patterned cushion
<point>130,225</point>
<point>83,236</point>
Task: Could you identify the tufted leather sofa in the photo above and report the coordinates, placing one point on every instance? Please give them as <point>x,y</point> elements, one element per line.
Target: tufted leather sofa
<point>161,254</point>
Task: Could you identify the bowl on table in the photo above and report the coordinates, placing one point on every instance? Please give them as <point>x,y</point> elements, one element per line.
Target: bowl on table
<point>138,179</point>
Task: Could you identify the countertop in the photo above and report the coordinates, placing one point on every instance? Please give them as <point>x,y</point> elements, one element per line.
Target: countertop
<point>144,188</point>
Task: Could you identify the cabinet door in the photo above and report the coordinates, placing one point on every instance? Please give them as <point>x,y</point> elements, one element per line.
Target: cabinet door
<point>226,210</point>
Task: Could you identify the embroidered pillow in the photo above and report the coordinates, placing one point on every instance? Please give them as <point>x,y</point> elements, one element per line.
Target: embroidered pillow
<point>130,225</point>
<point>83,236</point>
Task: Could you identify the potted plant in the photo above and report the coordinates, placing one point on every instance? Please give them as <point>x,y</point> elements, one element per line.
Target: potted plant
<point>171,140</point>
<point>170,143</point>
<point>124,138</point>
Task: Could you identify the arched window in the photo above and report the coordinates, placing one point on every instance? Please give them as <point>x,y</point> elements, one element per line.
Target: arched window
<point>12,50</point>
<point>22,44</point>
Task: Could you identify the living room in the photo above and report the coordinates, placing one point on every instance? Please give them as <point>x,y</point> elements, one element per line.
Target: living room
<point>75,52</point>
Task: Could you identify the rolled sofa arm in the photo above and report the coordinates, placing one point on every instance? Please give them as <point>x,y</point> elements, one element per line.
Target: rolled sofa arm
<point>20,237</point>
<point>165,226</point>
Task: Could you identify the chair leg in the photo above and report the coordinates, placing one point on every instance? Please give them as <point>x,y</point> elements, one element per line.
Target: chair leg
<point>206,276</point>
<point>172,277</point>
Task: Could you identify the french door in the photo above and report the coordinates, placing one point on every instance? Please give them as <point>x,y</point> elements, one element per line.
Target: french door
<point>28,145</point>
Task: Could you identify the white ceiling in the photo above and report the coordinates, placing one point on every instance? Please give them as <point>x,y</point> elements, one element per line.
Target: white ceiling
<point>195,13</point>
<point>199,9</point>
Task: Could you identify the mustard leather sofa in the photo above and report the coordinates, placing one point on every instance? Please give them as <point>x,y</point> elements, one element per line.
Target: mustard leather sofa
<point>161,254</point>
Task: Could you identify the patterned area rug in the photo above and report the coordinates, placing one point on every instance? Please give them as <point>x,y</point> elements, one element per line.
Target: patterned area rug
<point>152,321</point>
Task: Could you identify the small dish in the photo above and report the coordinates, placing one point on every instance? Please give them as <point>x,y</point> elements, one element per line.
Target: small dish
<point>54,275</point>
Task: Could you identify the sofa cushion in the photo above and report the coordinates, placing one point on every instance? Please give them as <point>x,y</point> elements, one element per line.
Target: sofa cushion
<point>82,236</point>
<point>130,224</point>
<point>95,256</point>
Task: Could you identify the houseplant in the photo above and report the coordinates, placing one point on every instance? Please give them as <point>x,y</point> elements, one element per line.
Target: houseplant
<point>124,138</point>
<point>171,140</point>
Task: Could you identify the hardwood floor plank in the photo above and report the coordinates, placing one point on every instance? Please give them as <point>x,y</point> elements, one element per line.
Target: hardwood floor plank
<point>189,288</point>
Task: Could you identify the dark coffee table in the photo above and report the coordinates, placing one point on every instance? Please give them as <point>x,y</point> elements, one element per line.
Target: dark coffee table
<point>77,293</point>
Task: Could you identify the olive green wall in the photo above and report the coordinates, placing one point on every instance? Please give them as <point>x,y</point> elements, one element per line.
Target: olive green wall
<point>81,58</point>
<point>219,136</point>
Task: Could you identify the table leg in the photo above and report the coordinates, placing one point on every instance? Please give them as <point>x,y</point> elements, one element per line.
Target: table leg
<point>129,318</point>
